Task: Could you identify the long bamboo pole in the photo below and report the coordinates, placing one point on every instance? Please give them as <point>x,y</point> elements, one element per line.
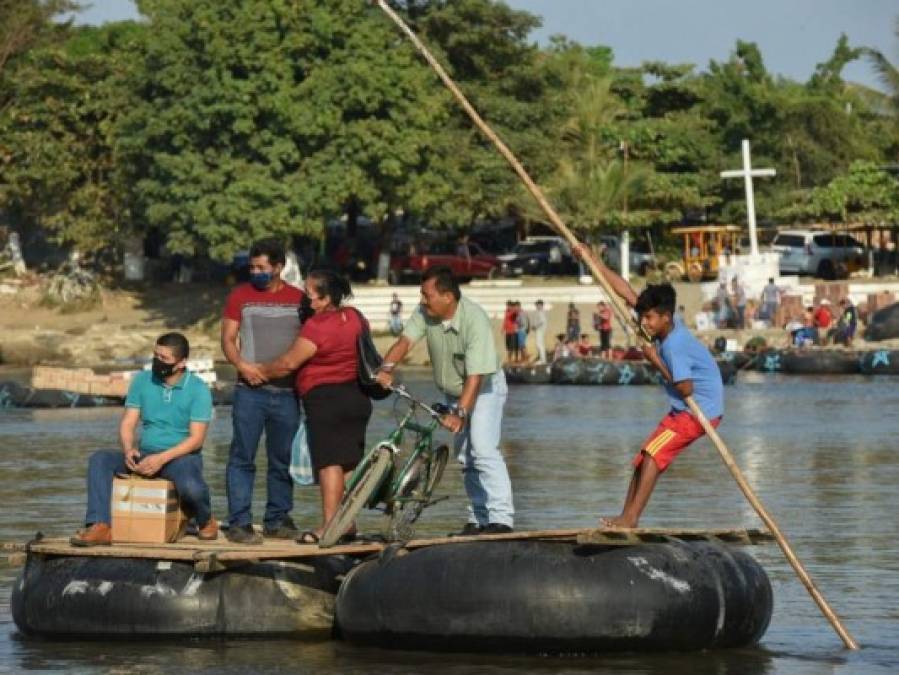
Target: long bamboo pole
<point>625,313</point>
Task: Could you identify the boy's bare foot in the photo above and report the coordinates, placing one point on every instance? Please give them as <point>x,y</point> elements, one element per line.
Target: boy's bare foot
<point>618,522</point>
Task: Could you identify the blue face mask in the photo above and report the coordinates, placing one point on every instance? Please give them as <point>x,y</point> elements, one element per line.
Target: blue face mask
<point>261,280</point>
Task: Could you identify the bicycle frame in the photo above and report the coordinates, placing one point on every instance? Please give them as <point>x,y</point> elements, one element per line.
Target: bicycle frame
<point>393,479</point>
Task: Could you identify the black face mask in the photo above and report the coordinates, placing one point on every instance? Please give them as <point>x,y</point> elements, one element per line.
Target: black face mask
<point>305,310</point>
<point>161,369</point>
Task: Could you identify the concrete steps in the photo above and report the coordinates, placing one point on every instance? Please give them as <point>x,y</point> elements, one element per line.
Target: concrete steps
<point>374,301</point>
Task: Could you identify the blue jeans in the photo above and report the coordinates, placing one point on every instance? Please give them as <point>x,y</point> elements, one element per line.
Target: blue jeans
<point>484,471</point>
<point>254,411</point>
<point>186,472</point>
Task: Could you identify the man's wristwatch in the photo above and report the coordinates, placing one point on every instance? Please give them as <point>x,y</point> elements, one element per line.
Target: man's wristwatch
<point>460,412</point>
<point>387,367</point>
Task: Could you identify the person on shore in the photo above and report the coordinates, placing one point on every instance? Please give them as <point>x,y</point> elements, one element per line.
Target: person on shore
<point>523,326</point>
<point>693,373</point>
<point>602,323</point>
<point>822,318</point>
<point>510,332</point>
<point>395,319</point>
<point>844,331</point>
<point>584,349</point>
<point>173,408</point>
<point>739,292</point>
<point>539,322</point>
<point>260,323</point>
<point>325,359</point>
<point>723,301</point>
<point>573,323</point>
<point>467,370</point>
<point>770,301</point>
<point>560,349</point>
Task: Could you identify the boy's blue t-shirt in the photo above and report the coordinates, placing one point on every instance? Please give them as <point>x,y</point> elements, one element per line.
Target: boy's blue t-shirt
<point>688,359</point>
<point>166,412</point>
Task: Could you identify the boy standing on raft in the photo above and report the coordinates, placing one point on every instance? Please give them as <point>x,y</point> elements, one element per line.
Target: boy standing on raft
<point>693,373</point>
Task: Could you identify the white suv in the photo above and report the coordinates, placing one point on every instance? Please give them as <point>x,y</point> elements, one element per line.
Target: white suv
<point>824,254</point>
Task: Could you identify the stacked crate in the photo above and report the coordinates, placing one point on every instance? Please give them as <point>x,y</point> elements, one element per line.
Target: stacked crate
<point>81,381</point>
<point>790,308</point>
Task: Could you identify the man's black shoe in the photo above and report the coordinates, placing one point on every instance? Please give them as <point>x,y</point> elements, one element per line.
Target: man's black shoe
<point>470,530</point>
<point>497,528</point>
<point>283,530</point>
<point>243,534</point>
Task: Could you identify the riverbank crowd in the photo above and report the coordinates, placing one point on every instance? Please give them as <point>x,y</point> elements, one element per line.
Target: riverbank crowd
<point>296,352</point>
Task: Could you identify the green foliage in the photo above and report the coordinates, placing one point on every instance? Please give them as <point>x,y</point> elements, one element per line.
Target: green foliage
<point>57,160</point>
<point>865,194</point>
<point>215,122</point>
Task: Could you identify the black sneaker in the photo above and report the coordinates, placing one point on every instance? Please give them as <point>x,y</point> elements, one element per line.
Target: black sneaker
<point>283,530</point>
<point>243,534</point>
<point>497,528</point>
<point>470,530</point>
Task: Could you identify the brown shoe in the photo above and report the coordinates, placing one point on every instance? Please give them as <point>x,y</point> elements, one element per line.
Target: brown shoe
<point>210,531</point>
<point>98,534</point>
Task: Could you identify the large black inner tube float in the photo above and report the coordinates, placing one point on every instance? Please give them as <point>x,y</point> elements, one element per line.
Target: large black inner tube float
<point>820,362</point>
<point>534,374</point>
<point>880,362</point>
<point>575,370</point>
<point>15,395</point>
<point>552,597</point>
<point>105,598</point>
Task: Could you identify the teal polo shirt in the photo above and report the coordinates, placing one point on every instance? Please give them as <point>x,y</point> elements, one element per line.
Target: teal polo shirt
<point>167,411</point>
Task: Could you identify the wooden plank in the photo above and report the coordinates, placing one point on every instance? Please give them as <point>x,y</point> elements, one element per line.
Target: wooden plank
<point>608,536</point>
<point>211,555</point>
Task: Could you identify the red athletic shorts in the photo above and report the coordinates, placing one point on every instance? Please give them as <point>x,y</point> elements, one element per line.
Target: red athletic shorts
<point>675,432</point>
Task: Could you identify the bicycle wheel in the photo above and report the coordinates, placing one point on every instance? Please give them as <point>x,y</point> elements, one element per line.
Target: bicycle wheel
<point>402,515</point>
<point>438,464</point>
<point>356,497</point>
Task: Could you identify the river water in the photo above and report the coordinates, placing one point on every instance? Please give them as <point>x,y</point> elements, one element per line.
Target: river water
<point>820,452</point>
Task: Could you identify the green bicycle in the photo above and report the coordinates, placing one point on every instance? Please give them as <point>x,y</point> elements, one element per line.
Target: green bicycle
<point>403,486</point>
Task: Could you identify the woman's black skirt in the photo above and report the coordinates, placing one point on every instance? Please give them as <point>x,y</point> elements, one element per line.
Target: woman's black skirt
<point>336,418</point>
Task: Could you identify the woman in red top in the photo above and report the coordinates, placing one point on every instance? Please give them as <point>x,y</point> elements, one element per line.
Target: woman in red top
<point>337,410</point>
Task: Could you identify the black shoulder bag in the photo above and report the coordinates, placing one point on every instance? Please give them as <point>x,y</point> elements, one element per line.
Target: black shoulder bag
<point>369,361</point>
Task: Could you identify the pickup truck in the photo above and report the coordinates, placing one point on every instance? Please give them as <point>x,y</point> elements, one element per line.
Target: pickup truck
<point>466,260</point>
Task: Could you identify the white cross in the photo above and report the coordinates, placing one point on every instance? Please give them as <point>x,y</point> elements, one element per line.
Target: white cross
<point>747,173</point>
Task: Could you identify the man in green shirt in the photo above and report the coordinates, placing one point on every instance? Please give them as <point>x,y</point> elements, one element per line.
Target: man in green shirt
<point>467,369</point>
<point>173,408</point>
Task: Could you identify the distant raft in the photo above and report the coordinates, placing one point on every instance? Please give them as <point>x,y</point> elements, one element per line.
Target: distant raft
<point>598,371</point>
<point>558,598</point>
<point>15,395</point>
<point>104,598</point>
<point>820,362</point>
<point>879,362</point>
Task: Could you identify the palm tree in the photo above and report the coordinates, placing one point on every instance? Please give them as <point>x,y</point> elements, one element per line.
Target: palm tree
<point>889,76</point>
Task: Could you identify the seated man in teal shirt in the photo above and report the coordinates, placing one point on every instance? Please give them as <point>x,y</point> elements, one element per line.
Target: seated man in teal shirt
<point>173,407</point>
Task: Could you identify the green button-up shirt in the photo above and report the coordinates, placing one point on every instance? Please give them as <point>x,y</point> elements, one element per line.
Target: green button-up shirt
<point>458,348</point>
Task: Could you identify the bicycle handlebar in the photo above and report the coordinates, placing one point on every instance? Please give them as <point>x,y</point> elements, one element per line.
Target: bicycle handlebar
<point>400,390</point>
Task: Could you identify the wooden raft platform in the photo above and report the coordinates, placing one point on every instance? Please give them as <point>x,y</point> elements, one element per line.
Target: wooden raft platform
<point>208,556</point>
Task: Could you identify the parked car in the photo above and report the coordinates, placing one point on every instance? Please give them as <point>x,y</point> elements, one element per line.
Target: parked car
<point>641,258</point>
<point>884,324</point>
<point>828,255</point>
<point>539,256</point>
<point>466,260</point>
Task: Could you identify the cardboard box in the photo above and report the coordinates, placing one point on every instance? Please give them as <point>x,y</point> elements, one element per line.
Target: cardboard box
<point>146,511</point>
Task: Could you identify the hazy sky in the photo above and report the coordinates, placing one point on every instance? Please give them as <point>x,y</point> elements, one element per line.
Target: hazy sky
<point>793,35</point>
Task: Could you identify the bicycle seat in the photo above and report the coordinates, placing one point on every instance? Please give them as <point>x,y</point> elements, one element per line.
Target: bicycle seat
<point>440,408</point>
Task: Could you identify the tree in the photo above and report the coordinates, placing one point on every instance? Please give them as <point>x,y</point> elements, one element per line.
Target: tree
<point>889,77</point>
<point>58,162</point>
<point>866,194</point>
<point>27,23</point>
<point>254,119</point>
